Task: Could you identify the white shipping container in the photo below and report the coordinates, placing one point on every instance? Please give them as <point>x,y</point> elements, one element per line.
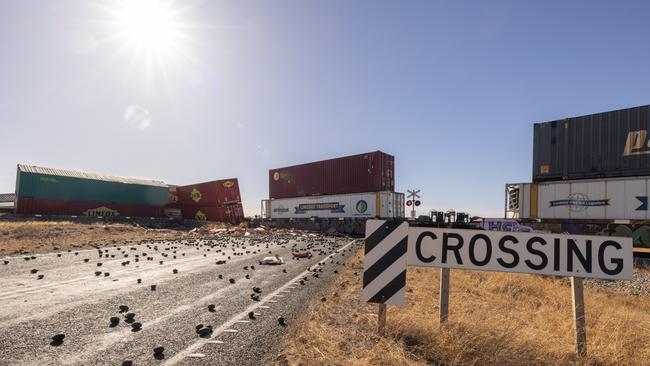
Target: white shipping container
<point>367,205</point>
<point>590,199</point>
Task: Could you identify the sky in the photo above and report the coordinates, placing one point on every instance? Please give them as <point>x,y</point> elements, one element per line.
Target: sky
<point>235,88</point>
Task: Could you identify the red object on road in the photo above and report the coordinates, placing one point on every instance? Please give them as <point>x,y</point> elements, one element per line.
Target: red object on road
<point>370,172</point>
<point>214,193</point>
<point>301,255</point>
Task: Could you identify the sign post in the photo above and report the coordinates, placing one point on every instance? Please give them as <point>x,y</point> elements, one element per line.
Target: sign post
<point>391,246</point>
<point>444,295</point>
<point>579,316</point>
<point>381,319</point>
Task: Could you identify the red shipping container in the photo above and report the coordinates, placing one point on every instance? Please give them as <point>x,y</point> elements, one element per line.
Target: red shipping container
<point>232,213</point>
<point>214,193</point>
<point>370,172</point>
<point>38,206</point>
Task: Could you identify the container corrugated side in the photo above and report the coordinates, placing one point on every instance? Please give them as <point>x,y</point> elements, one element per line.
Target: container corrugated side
<point>214,193</point>
<point>370,172</point>
<point>231,213</point>
<point>592,199</point>
<point>67,188</point>
<point>601,145</point>
<point>354,205</point>
<point>36,206</point>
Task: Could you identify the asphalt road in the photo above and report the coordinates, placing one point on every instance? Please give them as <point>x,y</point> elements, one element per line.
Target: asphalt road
<point>76,298</point>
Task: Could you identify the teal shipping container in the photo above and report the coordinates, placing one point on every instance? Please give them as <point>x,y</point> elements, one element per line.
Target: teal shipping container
<point>62,185</point>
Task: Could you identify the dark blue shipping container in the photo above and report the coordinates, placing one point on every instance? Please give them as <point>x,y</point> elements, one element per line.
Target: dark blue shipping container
<point>601,145</point>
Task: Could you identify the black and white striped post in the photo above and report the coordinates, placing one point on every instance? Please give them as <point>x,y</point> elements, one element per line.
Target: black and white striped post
<point>384,265</point>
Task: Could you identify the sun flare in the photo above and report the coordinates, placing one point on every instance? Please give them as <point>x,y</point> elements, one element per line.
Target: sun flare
<point>153,34</point>
<point>148,25</point>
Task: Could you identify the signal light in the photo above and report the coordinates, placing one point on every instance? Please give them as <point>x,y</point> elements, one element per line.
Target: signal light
<point>409,202</point>
<point>417,203</point>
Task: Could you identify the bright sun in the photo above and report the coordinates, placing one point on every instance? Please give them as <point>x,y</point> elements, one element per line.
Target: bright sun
<point>151,32</point>
<point>148,25</point>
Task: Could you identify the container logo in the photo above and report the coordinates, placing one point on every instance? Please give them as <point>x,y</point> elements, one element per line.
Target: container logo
<point>228,184</point>
<point>637,143</point>
<point>333,207</point>
<point>544,169</point>
<point>578,202</point>
<point>195,195</point>
<point>276,176</point>
<point>281,209</point>
<point>362,206</point>
<point>200,216</point>
<point>101,211</point>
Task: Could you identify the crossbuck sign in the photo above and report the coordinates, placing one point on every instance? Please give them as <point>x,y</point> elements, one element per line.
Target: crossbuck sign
<point>392,245</point>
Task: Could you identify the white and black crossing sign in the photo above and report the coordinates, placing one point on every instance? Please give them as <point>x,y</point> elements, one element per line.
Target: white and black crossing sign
<point>391,246</point>
<point>384,262</point>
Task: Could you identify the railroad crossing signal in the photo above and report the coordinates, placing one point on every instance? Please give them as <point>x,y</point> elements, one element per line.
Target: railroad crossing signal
<point>413,200</point>
<point>413,194</point>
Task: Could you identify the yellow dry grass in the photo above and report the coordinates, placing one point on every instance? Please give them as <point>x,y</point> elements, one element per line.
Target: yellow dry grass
<point>494,319</point>
<point>45,236</point>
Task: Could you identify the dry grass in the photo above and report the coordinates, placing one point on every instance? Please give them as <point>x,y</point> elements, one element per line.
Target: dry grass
<point>494,319</point>
<point>45,236</point>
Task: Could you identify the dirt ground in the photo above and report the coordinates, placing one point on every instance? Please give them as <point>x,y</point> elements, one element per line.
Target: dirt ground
<point>23,237</point>
<point>494,319</point>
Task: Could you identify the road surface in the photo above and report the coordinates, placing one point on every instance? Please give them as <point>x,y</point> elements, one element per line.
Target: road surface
<point>76,298</point>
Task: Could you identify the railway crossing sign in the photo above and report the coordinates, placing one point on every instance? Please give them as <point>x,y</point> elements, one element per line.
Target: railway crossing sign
<point>413,195</point>
<point>392,245</point>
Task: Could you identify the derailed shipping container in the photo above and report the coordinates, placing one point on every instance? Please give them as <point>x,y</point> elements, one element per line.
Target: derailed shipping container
<point>214,193</point>
<point>58,184</point>
<point>50,191</point>
<point>39,206</point>
<point>231,213</point>
<point>370,172</point>
<point>593,199</point>
<point>359,205</point>
<point>601,145</point>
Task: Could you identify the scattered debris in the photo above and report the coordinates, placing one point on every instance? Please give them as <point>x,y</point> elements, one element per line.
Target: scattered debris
<point>57,339</point>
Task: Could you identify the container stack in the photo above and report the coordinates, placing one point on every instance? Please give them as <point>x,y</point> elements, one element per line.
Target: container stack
<point>593,168</point>
<point>48,191</point>
<point>357,186</point>
<point>217,200</point>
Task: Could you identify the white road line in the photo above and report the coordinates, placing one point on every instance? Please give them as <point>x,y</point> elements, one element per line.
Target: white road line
<point>214,342</point>
<point>198,344</point>
<point>230,331</point>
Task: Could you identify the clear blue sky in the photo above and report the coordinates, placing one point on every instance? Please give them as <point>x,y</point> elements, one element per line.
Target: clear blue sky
<point>450,88</point>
